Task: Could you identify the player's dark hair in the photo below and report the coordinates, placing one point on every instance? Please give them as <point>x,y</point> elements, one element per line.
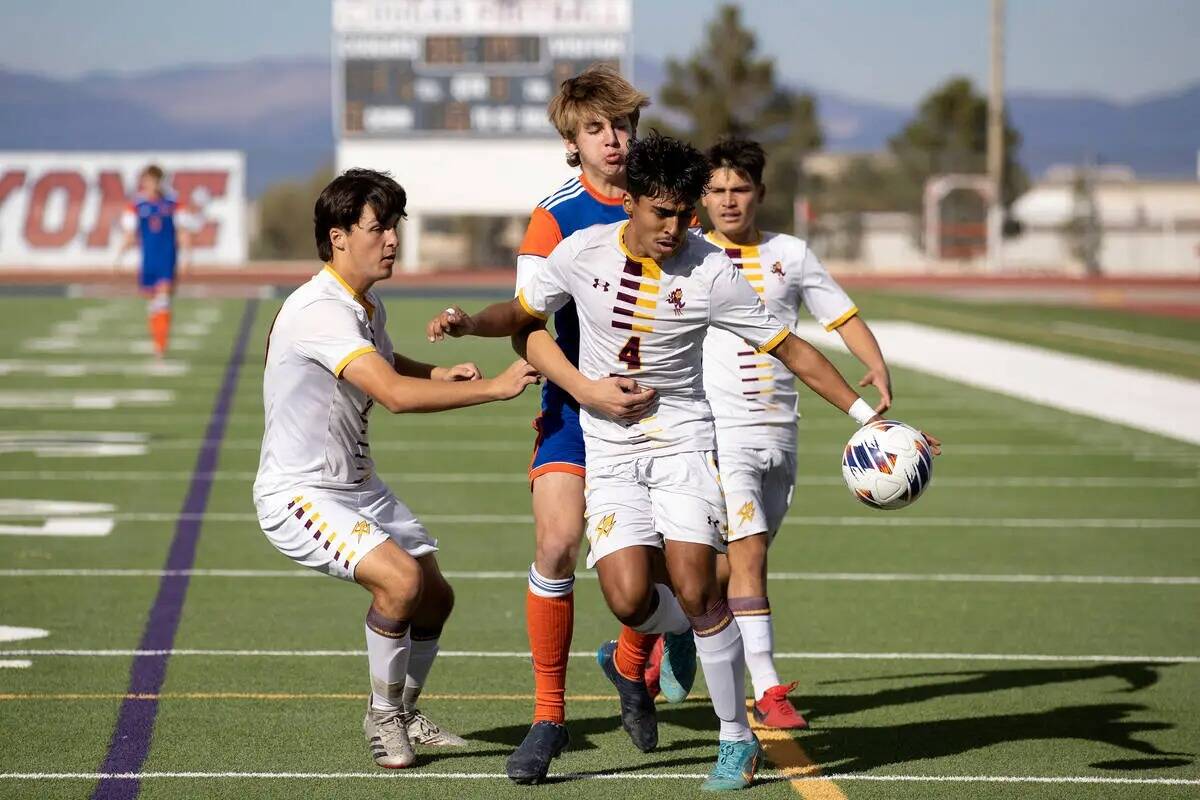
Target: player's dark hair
<point>743,156</point>
<point>341,204</point>
<point>153,171</point>
<point>660,166</point>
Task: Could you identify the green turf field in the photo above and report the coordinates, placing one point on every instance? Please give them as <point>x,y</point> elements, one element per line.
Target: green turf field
<point>1036,615</point>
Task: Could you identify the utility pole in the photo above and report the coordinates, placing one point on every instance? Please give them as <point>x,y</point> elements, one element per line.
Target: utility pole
<point>995,140</point>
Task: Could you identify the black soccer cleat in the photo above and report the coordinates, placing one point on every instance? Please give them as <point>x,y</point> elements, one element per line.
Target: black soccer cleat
<point>638,717</point>
<point>530,762</point>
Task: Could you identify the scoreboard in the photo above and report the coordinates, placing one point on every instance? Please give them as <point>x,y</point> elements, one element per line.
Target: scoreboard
<point>465,68</point>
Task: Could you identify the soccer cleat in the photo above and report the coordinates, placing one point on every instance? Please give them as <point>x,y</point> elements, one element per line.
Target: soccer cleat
<point>424,731</point>
<point>776,711</point>
<point>678,670</point>
<point>638,717</point>
<point>530,762</point>
<point>653,668</point>
<point>388,738</point>
<point>735,767</point>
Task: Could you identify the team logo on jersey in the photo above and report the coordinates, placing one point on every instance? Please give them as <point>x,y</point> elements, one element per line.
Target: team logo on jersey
<point>604,527</point>
<point>777,269</point>
<point>675,298</point>
<point>599,284</point>
<point>746,512</point>
<point>361,529</point>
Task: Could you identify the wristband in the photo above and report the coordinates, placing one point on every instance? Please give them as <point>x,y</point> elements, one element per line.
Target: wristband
<point>861,411</point>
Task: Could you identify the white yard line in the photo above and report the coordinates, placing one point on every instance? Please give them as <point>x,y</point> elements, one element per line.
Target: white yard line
<point>764,776</point>
<point>1140,398</point>
<point>997,482</point>
<point>808,656</point>
<point>849,577</point>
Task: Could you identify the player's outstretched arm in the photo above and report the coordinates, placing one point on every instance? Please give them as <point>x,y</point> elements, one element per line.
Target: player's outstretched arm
<point>809,365</point>
<point>617,397</point>
<point>860,341</point>
<point>401,394</point>
<point>498,319</point>
<point>419,369</point>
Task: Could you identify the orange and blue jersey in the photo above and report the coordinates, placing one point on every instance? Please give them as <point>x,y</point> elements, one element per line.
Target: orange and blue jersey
<point>576,205</point>
<point>154,218</point>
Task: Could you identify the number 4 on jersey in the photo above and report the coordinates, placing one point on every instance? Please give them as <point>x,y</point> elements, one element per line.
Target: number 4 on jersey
<point>631,353</point>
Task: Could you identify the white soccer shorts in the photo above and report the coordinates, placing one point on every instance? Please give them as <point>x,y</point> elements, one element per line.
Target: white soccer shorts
<point>758,488</point>
<point>652,498</point>
<point>331,531</point>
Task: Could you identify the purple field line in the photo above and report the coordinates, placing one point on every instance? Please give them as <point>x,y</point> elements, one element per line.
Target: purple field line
<point>130,743</point>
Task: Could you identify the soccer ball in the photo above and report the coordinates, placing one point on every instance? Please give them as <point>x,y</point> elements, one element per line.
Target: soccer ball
<point>887,464</point>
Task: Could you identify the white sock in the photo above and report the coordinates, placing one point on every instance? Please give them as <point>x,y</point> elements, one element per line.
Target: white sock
<point>424,651</point>
<point>388,648</point>
<point>668,617</point>
<point>759,643</point>
<point>549,587</point>
<point>724,667</point>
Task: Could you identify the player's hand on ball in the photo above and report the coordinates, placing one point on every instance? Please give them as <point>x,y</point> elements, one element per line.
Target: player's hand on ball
<point>935,445</point>
<point>619,398</point>
<point>881,380</point>
<point>513,380</point>
<point>451,322</point>
<point>459,372</point>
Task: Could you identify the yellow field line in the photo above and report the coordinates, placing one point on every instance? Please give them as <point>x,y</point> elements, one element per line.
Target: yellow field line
<point>793,763</point>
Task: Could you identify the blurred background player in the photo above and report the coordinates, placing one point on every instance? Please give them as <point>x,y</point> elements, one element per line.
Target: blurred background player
<point>754,400</point>
<point>329,361</point>
<point>596,113</point>
<point>162,226</point>
<point>653,484</point>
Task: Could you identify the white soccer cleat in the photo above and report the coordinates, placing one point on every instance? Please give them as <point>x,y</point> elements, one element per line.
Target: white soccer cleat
<point>387,736</point>
<point>424,731</point>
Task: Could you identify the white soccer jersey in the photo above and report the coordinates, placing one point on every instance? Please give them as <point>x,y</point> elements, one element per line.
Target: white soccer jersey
<point>316,423</point>
<point>753,396</point>
<point>648,321</point>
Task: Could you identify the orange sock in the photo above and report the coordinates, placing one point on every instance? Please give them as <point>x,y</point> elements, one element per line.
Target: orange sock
<point>550,622</point>
<point>160,330</point>
<point>633,651</point>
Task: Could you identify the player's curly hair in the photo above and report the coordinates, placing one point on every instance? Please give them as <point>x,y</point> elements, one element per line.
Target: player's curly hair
<point>743,156</point>
<point>341,204</point>
<point>599,91</point>
<point>660,166</point>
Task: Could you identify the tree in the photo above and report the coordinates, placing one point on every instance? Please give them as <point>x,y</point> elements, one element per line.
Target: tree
<point>949,134</point>
<point>725,89</point>
<point>285,213</point>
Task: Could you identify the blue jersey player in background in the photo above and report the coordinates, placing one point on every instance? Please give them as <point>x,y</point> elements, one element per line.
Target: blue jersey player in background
<point>596,114</point>
<point>156,220</point>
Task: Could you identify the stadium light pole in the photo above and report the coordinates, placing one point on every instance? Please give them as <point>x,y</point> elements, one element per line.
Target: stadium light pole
<point>995,140</point>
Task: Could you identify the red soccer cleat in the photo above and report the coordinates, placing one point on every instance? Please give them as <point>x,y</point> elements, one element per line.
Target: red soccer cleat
<point>653,668</point>
<point>776,711</point>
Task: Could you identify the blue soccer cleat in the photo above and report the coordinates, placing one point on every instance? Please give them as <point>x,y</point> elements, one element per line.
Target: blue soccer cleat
<point>736,764</point>
<point>677,673</point>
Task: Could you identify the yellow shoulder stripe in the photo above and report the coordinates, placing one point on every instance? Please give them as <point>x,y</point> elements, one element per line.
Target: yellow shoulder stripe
<point>345,362</point>
<point>530,310</point>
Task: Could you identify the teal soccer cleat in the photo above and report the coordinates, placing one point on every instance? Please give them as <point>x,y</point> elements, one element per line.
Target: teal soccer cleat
<point>678,670</point>
<point>735,767</point>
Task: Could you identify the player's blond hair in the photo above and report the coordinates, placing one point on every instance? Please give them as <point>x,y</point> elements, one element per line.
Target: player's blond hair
<point>600,91</point>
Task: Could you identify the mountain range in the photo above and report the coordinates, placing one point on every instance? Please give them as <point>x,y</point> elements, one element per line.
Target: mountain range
<point>279,112</point>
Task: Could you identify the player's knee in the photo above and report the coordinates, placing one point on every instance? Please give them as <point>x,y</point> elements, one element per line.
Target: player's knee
<point>398,590</point>
<point>696,596</point>
<point>557,550</point>
<point>630,604</point>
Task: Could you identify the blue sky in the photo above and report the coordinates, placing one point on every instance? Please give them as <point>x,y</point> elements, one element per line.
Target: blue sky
<point>881,50</point>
